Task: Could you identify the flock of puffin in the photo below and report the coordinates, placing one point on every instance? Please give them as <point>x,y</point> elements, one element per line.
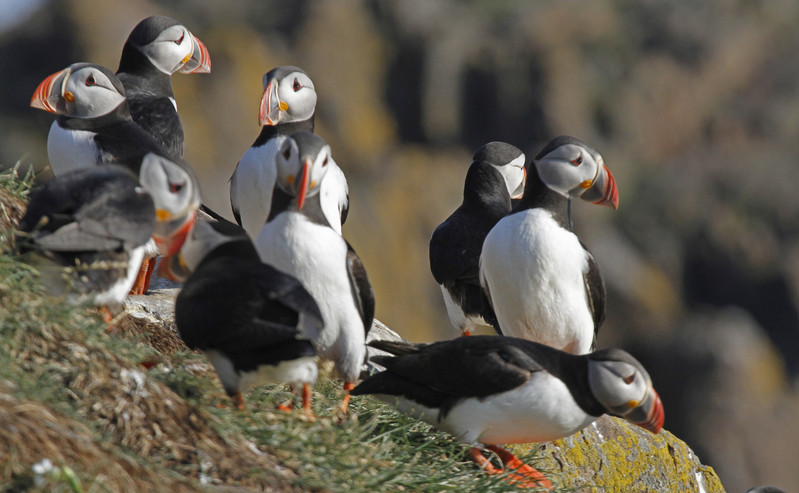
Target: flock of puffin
<point>264,298</point>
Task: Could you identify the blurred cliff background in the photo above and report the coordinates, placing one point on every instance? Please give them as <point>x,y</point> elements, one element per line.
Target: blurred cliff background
<point>694,106</point>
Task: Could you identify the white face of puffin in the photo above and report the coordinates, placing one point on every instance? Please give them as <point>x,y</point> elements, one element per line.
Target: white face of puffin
<point>573,171</point>
<point>299,172</point>
<point>626,391</point>
<point>176,196</point>
<point>79,91</point>
<point>515,176</point>
<point>292,98</point>
<point>175,48</point>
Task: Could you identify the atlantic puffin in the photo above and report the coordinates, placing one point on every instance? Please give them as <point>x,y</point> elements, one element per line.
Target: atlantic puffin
<point>495,177</point>
<point>541,281</point>
<point>288,105</point>
<point>492,390</point>
<point>157,48</point>
<point>252,321</point>
<point>94,127</point>
<point>86,231</point>
<point>299,240</point>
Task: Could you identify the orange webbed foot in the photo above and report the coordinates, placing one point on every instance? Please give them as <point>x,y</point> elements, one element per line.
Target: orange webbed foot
<point>521,474</point>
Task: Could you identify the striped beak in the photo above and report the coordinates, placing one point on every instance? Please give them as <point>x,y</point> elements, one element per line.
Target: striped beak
<point>603,190</point>
<point>303,184</point>
<point>648,415</point>
<point>200,60</point>
<point>269,111</point>
<point>170,233</point>
<point>49,94</point>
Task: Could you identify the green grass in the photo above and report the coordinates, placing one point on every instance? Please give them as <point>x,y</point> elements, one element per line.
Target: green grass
<point>68,392</point>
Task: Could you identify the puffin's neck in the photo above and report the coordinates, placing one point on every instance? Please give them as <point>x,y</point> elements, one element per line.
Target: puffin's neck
<point>134,65</point>
<point>288,128</point>
<point>485,189</point>
<point>312,209</point>
<point>117,115</point>
<point>539,196</point>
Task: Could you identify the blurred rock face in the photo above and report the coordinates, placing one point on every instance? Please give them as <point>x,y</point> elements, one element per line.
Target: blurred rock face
<point>694,106</point>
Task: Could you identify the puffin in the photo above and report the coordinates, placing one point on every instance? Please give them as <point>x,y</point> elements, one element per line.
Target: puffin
<point>495,177</point>
<point>299,240</point>
<point>539,278</point>
<point>253,322</point>
<point>288,105</point>
<point>86,232</point>
<point>94,128</point>
<point>157,48</point>
<point>493,390</point>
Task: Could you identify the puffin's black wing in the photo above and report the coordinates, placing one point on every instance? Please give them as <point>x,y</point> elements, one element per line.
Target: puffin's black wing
<point>595,289</point>
<point>454,254</point>
<point>228,304</point>
<point>361,288</point>
<point>91,209</point>
<point>476,366</point>
<point>158,117</point>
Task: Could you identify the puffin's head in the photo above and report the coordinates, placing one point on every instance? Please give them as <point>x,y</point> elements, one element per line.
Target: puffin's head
<point>302,163</point>
<point>573,168</point>
<point>289,96</point>
<point>82,90</point>
<point>169,46</point>
<point>623,387</point>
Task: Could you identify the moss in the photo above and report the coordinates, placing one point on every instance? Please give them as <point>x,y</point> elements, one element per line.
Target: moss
<point>613,455</point>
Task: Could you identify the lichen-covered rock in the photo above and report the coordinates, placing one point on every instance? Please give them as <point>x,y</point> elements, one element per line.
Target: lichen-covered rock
<point>611,455</point>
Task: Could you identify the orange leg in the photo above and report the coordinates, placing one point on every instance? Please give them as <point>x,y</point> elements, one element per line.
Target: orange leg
<point>307,397</point>
<point>239,401</point>
<point>523,475</point>
<point>466,333</point>
<point>345,402</point>
<point>142,282</point>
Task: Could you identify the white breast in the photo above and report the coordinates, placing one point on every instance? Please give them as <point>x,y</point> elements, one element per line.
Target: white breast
<point>252,183</point>
<point>316,255</point>
<point>119,291</point>
<point>334,196</point>
<point>533,272</point>
<point>71,149</point>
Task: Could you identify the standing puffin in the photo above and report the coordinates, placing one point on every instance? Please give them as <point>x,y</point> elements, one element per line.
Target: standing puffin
<point>94,127</point>
<point>252,321</point>
<point>157,48</point>
<point>494,390</point>
<point>299,240</point>
<point>287,106</point>
<point>542,283</point>
<point>86,232</point>
<point>496,176</point>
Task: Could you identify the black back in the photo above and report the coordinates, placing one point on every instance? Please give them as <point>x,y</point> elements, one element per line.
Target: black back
<point>441,374</point>
<point>456,243</point>
<point>247,310</point>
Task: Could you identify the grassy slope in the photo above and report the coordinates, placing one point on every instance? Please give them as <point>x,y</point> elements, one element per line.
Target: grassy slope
<point>72,393</point>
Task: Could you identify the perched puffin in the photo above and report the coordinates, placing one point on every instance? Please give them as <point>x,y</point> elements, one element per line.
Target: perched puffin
<point>94,127</point>
<point>287,106</point>
<point>157,48</point>
<point>299,240</point>
<point>86,232</point>
<point>252,321</point>
<point>542,283</point>
<point>496,176</point>
<point>493,390</point>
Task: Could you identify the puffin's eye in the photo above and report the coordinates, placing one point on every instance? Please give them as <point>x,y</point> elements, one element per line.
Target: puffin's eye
<point>175,187</point>
<point>324,163</point>
<point>578,161</point>
<point>629,379</point>
<point>180,39</point>
<point>287,153</point>
<point>90,80</point>
<point>296,86</point>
